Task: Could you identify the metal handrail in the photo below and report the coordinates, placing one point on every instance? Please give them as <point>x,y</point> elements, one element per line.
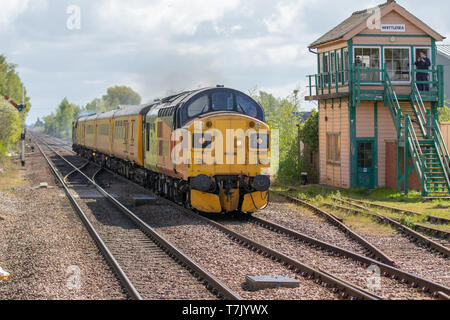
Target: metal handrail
<point>420,109</point>
<point>325,81</point>
<point>416,151</point>
<point>441,150</point>
<point>437,80</point>
<point>416,141</point>
<point>392,99</point>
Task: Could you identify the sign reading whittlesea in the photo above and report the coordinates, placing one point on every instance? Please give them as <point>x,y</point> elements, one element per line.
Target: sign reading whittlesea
<point>393,28</point>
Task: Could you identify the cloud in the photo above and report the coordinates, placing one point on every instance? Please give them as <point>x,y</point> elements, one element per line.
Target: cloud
<point>10,10</point>
<point>177,17</point>
<point>159,45</point>
<point>287,17</point>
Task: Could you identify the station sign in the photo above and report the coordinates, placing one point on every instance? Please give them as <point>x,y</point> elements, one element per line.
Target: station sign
<point>393,28</point>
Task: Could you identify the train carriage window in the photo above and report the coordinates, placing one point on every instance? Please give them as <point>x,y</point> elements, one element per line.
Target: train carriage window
<point>222,101</point>
<point>198,106</point>
<point>132,130</point>
<point>126,133</point>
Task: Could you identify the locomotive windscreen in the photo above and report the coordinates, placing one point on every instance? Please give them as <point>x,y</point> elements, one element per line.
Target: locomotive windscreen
<point>220,100</point>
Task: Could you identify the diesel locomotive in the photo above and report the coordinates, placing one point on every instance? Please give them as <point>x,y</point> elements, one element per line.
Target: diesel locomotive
<point>207,149</point>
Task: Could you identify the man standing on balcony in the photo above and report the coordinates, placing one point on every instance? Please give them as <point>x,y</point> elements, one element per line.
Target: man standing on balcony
<point>422,63</point>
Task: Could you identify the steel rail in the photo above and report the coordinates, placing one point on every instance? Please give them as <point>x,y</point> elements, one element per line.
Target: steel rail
<point>388,270</point>
<point>401,276</point>
<point>126,282</point>
<point>322,278</point>
<point>430,218</point>
<point>433,232</point>
<point>432,244</point>
<point>73,171</point>
<point>366,244</point>
<point>215,285</point>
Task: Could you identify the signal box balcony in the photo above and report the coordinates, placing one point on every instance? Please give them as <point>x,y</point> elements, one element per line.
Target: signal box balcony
<point>359,83</point>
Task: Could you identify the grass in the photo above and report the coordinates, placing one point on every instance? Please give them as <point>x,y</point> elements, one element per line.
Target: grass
<point>11,176</point>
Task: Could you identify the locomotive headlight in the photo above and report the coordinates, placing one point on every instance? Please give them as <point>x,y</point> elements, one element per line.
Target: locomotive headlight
<point>259,141</point>
<point>202,141</point>
<point>239,143</point>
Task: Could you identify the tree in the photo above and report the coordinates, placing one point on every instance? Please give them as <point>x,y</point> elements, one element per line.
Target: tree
<point>281,115</point>
<point>65,114</point>
<point>10,85</point>
<point>95,106</point>
<point>444,113</point>
<point>38,124</point>
<point>10,127</point>
<point>120,95</point>
<point>50,123</point>
<point>60,124</point>
<point>309,132</point>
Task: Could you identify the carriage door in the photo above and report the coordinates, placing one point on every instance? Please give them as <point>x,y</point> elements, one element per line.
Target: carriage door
<point>131,145</point>
<point>366,165</point>
<point>125,138</point>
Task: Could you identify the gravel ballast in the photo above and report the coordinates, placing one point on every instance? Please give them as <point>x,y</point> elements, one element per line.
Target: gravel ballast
<point>45,246</point>
<point>346,269</point>
<point>406,254</point>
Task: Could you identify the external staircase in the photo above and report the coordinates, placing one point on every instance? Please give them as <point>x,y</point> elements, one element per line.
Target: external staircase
<point>418,131</point>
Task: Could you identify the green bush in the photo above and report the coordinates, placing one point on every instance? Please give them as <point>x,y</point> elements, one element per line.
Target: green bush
<point>10,85</point>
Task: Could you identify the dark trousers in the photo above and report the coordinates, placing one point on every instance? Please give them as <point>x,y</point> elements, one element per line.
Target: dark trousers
<point>420,76</point>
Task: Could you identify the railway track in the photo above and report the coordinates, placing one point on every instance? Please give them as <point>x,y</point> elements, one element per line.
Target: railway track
<point>408,253</point>
<point>429,243</point>
<point>387,271</point>
<point>427,230</point>
<point>396,283</point>
<point>397,287</point>
<point>149,248</point>
<point>440,237</point>
<point>429,218</point>
<point>322,278</point>
<point>315,246</point>
<point>436,246</point>
<point>375,252</point>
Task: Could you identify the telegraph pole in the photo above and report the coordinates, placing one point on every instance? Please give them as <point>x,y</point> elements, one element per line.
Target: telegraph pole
<point>22,136</point>
<point>299,140</point>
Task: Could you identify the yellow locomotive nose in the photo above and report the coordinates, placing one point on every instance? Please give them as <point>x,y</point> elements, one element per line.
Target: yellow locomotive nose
<point>229,163</point>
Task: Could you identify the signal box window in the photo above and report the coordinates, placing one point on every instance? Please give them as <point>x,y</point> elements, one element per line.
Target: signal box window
<point>397,63</point>
<point>368,58</point>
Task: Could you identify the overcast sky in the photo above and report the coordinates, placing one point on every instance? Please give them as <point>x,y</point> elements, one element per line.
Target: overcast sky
<point>155,46</point>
